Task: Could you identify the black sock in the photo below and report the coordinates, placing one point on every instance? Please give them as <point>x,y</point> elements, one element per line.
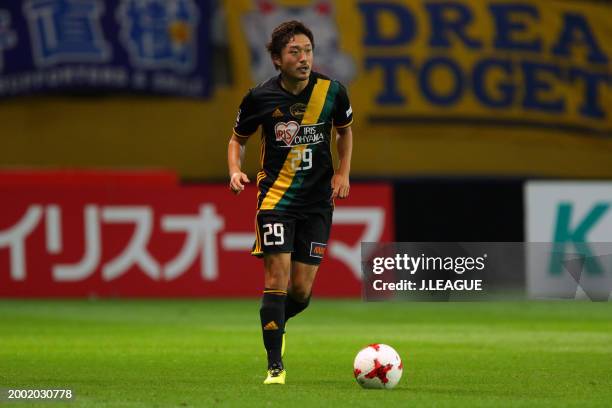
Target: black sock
<point>272,314</point>
<point>293,307</point>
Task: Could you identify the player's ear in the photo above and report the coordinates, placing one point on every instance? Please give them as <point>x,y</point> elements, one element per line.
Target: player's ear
<point>276,60</point>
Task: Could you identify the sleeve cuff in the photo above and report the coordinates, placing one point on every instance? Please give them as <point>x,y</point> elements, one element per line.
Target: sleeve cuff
<point>239,135</point>
<point>343,126</point>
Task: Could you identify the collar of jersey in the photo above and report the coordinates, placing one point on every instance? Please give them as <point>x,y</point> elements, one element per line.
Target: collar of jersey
<point>311,80</point>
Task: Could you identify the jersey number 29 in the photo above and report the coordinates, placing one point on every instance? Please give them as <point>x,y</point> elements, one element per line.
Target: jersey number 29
<point>301,160</point>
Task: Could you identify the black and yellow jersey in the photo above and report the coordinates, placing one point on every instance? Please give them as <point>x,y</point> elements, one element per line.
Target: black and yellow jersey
<point>296,158</point>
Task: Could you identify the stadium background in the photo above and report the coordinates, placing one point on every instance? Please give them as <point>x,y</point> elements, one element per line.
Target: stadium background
<point>458,105</point>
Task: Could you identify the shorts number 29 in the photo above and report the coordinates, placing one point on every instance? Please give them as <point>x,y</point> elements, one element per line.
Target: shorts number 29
<point>275,230</point>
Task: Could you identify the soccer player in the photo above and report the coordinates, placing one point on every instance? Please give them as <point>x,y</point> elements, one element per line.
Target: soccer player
<point>297,184</point>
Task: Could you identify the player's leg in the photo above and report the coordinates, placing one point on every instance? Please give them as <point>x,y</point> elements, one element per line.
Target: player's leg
<point>274,242</point>
<point>272,312</point>
<point>310,242</point>
<point>300,289</point>
<point>298,294</point>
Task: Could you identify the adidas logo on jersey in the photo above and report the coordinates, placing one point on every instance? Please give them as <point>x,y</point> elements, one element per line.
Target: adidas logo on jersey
<point>277,113</point>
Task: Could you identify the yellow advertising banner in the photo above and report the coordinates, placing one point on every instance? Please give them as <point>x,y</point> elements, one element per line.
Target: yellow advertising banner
<point>457,86</point>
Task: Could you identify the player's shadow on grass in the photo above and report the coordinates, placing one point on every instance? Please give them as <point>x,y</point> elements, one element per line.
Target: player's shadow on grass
<point>460,391</point>
<point>344,384</point>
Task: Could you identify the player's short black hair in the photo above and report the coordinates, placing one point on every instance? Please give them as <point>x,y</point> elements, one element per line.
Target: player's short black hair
<point>284,33</point>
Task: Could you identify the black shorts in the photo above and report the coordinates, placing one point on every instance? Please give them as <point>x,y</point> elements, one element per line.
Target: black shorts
<point>304,234</point>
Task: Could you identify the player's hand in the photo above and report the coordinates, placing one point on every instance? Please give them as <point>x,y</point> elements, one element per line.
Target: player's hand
<point>340,186</point>
<point>237,182</point>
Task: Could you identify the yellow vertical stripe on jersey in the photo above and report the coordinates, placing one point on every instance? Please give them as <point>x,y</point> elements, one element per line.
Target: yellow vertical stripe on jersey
<point>287,173</point>
<point>316,102</point>
<point>284,179</point>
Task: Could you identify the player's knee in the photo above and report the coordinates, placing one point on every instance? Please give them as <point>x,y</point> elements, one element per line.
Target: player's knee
<point>293,306</point>
<point>276,272</point>
<point>276,281</point>
<point>276,278</point>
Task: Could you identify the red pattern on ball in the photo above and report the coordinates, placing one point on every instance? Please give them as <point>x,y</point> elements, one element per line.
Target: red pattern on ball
<point>380,371</point>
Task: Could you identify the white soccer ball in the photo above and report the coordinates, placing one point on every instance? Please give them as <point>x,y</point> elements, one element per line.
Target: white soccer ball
<point>378,366</point>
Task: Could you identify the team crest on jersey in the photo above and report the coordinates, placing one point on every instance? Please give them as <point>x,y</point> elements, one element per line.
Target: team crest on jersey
<point>286,131</point>
<point>297,110</point>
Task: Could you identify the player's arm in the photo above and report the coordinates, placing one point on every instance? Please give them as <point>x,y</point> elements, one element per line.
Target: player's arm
<point>344,144</point>
<point>246,124</point>
<point>235,158</point>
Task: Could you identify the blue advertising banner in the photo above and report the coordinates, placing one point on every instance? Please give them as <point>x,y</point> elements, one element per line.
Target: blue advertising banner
<point>142,46</point>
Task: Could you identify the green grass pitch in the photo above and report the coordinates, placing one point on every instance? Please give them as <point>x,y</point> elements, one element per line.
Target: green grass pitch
<point>190,353</point>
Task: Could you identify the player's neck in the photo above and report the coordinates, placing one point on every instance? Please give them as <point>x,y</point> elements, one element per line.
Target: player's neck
<point>292,85</point>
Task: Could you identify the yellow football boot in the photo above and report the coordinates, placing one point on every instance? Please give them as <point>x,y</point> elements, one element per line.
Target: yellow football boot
<point>275,376</point>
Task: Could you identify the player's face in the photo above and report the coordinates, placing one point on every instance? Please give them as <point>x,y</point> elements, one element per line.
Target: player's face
<point>296,58</point>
